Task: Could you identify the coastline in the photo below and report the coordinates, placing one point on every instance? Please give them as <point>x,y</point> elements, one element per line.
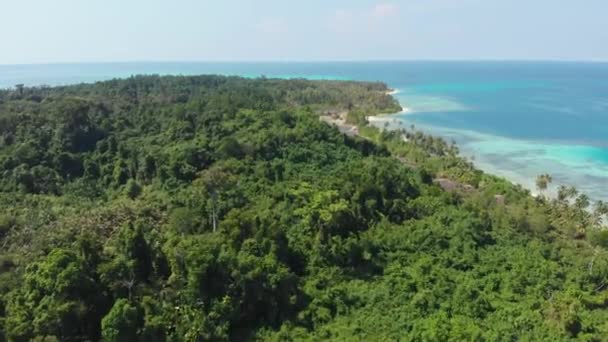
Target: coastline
<point>392,121</point>
<point>392,92</point>
<point>488,165</point>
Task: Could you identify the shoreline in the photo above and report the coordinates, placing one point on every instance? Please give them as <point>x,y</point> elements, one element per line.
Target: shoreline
<point>404,110</point>
<point>485,166</point>
<point>480,163</point>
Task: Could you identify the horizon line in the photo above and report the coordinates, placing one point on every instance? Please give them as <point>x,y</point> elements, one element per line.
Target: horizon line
<point>295,61</point>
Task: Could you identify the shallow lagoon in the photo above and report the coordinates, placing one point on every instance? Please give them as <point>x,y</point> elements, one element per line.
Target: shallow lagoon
<point>521,120</point>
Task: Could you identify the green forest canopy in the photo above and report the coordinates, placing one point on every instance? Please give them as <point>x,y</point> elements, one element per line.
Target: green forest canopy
<point>222,208</point>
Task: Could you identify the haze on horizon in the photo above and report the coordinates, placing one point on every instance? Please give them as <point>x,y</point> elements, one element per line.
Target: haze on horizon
<point>40,31</point>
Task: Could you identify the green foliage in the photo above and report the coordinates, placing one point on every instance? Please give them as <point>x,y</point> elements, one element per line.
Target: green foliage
<point>55,300</point>
<point>121,324</point>
<point>221,208</point>
<point>132,189</point>
<point>543,181</point>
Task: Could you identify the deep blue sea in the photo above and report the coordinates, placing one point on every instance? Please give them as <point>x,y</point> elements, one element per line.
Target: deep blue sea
<point>517,119</point>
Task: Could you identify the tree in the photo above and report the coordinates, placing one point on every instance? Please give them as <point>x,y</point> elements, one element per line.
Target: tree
<point>213,182</point>
<point>230,147</point>
<point>55,300</point>
<point>571,192</point>
<point>19,88</point>
<point>600,210</point>
<point>122,322</point>
<point>582,202</point>
<point>132,189</point>
<point>562,193</point>
<point>184,221</point>
<point>543,181</point>
<point>133,245</point>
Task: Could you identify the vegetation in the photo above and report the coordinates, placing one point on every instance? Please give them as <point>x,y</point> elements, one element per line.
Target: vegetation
<point>543,181</point>
<point>221,208</point>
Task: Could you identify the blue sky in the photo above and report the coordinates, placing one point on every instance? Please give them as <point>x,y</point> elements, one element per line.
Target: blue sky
<point>45,31</point>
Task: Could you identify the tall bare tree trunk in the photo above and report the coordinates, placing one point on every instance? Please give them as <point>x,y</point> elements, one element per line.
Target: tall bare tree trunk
<point>214,218</point>
<point>214,210</point>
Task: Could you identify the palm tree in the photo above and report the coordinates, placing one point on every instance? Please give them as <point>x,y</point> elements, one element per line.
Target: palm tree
<point>600,209</point>
<point>572,192</point>
<point>582,202</point>
<point>543,181</point>
<point>562,193</point>
<point>565,193</point>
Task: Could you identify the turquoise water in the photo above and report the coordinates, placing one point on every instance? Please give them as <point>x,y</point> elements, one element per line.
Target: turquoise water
<point>517,119</point>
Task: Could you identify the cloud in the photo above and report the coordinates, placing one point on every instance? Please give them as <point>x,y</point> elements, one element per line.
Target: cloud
<point>384,10</point>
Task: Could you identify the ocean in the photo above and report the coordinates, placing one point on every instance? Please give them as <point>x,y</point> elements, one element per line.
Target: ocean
<point>516,119</point>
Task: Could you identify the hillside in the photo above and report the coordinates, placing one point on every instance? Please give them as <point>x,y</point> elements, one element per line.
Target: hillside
<point>222,208</point>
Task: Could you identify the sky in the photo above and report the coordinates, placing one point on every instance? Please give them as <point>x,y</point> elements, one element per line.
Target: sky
<point>45,31</point>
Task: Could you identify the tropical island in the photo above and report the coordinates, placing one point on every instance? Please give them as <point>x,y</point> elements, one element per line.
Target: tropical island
<point>223,208</point>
